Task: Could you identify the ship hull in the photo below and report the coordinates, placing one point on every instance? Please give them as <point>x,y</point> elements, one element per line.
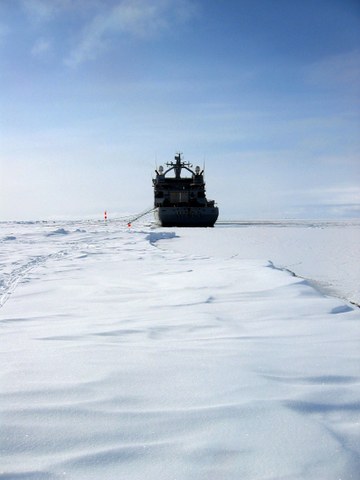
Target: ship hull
<point>186,216</point>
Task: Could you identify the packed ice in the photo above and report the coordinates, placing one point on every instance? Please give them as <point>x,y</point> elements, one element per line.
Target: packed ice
<point>227,353</point>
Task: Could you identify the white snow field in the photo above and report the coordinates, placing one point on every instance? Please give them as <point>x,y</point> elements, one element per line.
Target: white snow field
<point>178,354</point>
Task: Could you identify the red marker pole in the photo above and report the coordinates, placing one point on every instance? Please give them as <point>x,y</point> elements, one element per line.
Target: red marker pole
<point>105,215</point>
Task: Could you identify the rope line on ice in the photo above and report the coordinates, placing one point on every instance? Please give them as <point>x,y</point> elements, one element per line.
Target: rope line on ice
<point>140,215</point>
<point>129,219</point>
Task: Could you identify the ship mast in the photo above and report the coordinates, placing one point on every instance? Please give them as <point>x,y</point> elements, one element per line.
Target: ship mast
<point>178,166</point>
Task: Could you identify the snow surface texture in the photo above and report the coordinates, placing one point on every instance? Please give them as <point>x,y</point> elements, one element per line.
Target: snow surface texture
<point>178,353</point>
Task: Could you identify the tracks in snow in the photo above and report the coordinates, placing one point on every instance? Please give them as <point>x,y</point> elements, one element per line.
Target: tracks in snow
<point>10,281</point>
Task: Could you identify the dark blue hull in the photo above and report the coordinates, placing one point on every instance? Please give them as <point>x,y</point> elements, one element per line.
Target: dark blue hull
<point>186,216</point>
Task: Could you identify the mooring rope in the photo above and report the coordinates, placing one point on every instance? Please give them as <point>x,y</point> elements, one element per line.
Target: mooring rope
<point>139,215</point>
<point>129,219</point>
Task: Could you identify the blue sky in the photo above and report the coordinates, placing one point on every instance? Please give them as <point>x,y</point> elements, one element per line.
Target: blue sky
<point>95,93</point>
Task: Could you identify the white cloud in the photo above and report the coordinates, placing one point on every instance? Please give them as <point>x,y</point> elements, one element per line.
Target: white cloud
<point>136,18</point>
<point>41,10</point>
<point>336,201</point>
<point>342,195</point>
<point>342,70</point>
<point>4,32</point>
<point>332,195</point>
<point>41,47</point>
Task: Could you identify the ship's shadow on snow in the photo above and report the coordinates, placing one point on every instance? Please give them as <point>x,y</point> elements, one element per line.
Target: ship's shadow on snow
<point>154,237</point>
<point>59,231</point>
